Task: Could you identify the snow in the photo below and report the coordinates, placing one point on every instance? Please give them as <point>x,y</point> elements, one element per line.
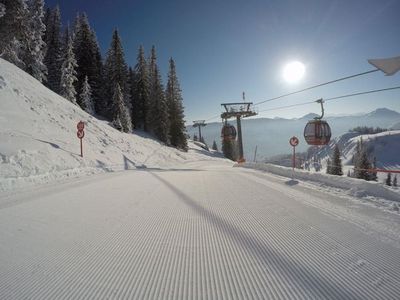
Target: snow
<point>208,232</point>
<point>39,143</point>
<point>352,186</point>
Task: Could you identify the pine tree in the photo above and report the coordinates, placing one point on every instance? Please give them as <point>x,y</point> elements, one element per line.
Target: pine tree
<point>68,75</point>
<point>177,130</point>
<point>328,166</point>
<point>159,110</point>
<point>361,162</point>
<point>65,39</point>
<point>153,73</point>
<point>195,138</point>
<point>374,175</point>
<point>389,179</point>
<point>2,10</point>
<point>116,72</point>
<point>53,58</point>
<point>86,97</point>
<point>214,146</point>
<point>363,166</point>
<point>121,114</point>
<point>394,183</point>
<point>158,117</point>
<point>88,57</point>
<point>336,168</point>
<point>35,46</point>
<point>14,31</point>
<point>141,93</point>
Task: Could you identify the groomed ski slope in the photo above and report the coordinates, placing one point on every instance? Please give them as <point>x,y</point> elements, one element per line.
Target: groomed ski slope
<point>205,231</point>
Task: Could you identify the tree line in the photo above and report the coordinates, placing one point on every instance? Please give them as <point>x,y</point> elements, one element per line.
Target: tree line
<point>68,61</point>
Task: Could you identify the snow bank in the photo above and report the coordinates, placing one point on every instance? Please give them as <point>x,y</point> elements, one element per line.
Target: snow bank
<point>38,142</point>
<point>355,187</point>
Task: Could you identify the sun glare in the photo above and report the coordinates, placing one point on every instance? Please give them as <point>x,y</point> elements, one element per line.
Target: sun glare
<point>294,71</point>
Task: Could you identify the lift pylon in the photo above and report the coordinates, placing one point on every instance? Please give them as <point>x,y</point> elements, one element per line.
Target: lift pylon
<point>199,124</point>
<point>238,110</point>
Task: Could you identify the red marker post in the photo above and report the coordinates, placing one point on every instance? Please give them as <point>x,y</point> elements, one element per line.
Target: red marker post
<point>294,141</point>
<point>80,134</point>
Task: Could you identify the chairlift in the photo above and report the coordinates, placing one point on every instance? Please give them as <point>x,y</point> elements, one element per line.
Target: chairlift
<point>317,132</point>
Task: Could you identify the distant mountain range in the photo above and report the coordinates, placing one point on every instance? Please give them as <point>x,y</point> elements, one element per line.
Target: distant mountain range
<point>271,136</point>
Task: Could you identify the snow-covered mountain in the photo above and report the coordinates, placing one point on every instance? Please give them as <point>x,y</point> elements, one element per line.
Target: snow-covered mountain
<point>272,135</point>
<point>395,126</point>
<point>38,139</point>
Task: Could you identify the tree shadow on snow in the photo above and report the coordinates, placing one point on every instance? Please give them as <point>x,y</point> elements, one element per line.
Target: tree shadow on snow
<point>315,284</point>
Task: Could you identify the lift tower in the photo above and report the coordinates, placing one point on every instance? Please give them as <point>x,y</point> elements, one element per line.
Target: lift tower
<point>238,110</point>
<point>199,124</point>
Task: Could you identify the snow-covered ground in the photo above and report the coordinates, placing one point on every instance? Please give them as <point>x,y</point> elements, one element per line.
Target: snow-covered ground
<point>206,232</point>
<point>387,198</point>
<point>38,142</point>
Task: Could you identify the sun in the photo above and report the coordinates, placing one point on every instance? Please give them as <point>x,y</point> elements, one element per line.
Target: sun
<point>294,71</point>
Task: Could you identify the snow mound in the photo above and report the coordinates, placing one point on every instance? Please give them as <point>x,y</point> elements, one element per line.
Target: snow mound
<point>355,187</point>
<point>39,142</point>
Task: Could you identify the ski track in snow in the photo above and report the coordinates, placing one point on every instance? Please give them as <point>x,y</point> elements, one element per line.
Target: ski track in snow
<point>221,233</point>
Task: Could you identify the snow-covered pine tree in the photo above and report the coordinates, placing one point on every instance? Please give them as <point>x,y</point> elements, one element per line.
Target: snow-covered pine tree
<point>362,163</point>
<point>2,10</point>
<point>328,166</point>
<point>14,31</point>
<point>86,97</point>
<point>116,72</point>
<point>46,22</point>
<point>88,57</point>
<point>214,146</point>
<point>117,124</point>
<point>158,116</point>
<point>68,74</point>
<point>177,129</point>
<point>389,179</point>
<point>35,45</point>
<point>141,93</point>
<point>121,114</point>
<point>53,58</point>
<point>336,167</point>
<point>394,183</point>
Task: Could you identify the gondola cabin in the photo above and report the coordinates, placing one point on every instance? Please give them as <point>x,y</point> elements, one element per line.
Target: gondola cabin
<point>317,132</point>
<point>228,132</point>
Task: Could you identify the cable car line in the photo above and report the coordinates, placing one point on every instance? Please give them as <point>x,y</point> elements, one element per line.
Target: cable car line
<point>363,93</point>
<point>333,98</point>
<point>315,86</point>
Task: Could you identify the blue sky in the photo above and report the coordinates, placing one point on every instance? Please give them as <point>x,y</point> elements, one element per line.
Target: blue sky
<point>222,48</point>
